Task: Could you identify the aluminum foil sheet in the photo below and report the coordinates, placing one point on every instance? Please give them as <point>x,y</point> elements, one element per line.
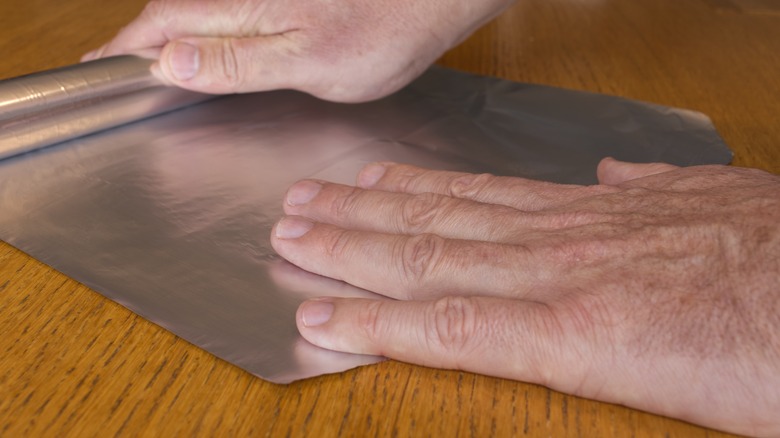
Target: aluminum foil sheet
<point>170,216</point>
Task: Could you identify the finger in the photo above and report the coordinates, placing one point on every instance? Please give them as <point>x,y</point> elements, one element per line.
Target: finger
<point>511,339</point>
<point>233,65</point>
<point>520,193</point>
<point>411,214</point>
<point>418,267</point>
<point>613,172</point>
<point>563,349</point>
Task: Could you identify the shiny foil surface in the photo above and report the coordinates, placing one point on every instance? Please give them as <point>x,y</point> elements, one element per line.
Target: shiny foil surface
<point>170,216</point>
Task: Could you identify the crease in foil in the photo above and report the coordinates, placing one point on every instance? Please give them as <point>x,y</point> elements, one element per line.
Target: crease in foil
<point>170,215</point>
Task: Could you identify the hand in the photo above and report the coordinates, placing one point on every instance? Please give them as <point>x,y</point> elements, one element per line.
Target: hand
<point>656,289</point>
<point>349,50</point>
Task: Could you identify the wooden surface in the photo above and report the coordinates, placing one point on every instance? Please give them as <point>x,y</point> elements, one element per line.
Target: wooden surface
<point>74,363</point>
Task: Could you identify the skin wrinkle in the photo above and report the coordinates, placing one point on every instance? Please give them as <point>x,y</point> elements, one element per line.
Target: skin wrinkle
<point>342,206</point>
<point>407,182</point>
<point>230,65</point>
<point>419,212</point>
<point>420,255</point>
<point>338,241</point>
<point>454,326</point>
<point>469,186</point>
<point>368,319</point>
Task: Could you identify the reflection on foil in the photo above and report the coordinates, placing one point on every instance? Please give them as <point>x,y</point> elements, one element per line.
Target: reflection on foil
<point>171,216</point>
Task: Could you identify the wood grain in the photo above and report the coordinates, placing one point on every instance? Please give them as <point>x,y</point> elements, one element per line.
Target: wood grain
<point>73,363</point>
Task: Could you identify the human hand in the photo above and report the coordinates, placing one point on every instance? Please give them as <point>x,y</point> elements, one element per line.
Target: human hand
<point>349,51</point>
<point>656,289</point>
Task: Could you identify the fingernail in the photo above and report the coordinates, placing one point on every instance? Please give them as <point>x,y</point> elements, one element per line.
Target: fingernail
<point>292,227</point>
<point>302,192</point>
<point>370,175</point>
<point>88,56</point>
<point>185,61</point>
<point>316,312</point>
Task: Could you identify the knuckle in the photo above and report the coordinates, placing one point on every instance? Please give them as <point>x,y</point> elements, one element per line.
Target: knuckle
<point>338,243</point>
<point>419,257</point>
<point>453,325</point>
<point>346,204</point>
<point>369,320</point>
<point>230,68</point>
<point>470,185</point>
<point>418,212</point>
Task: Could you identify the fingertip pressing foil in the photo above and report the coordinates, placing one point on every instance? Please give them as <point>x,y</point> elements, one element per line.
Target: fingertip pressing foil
<point>171,215</point>
<point>46,108</point>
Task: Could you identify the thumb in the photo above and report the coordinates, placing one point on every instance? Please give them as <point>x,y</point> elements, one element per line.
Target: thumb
<point>229,65</point>
<point>613,172</point>
<point>492,336</point>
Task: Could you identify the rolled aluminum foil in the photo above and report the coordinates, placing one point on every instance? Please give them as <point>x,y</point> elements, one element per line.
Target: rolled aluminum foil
<point>171,215</point>
<point>46,108</point>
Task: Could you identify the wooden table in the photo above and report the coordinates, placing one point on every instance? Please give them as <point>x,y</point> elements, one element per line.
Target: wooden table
<point>75,363</point>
